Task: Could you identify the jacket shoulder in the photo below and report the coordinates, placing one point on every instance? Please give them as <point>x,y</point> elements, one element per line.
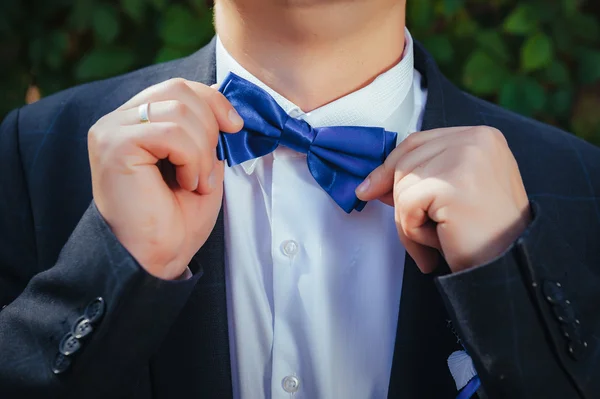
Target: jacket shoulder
<point>527,128</point>
<point>88,102</point>
<point>547,156</point>
<point>83,105</point>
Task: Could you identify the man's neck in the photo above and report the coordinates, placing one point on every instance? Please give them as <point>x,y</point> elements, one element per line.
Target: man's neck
<point>313,51</point>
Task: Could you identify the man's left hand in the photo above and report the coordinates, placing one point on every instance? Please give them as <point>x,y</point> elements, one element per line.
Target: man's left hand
<point>456,191</point>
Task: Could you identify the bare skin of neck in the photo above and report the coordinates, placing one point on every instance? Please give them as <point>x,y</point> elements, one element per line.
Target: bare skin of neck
<point>313,51</point>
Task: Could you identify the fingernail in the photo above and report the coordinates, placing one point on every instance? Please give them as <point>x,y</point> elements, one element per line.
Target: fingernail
<point>196,183</point>
<point>212,179</point>
<point>235,118</point>
<point>364,186</point>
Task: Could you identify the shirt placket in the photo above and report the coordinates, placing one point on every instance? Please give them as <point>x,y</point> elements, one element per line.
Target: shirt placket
<point>287,254</point>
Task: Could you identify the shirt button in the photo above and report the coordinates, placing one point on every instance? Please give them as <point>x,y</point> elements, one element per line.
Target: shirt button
<point>289,247</point>
<point>290,384</point>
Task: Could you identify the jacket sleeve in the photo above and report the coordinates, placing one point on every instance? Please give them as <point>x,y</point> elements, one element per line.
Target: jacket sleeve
<point>84,326</point>
<point>531,318</point>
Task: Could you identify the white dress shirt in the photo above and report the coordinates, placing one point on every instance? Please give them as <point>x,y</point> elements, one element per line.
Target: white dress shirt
<point>313,292</point>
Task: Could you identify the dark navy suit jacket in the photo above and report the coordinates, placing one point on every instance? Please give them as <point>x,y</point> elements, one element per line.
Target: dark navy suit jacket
<point>530,319</point>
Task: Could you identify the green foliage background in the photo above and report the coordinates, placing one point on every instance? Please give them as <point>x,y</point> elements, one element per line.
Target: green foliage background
<point>538,57</point>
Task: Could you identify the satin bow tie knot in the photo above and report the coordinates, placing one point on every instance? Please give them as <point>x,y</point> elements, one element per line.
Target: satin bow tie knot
<point>338,157</point>
<point>297,135</point>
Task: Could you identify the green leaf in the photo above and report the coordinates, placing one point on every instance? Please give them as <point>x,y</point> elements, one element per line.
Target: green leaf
<point>466,27</point>
<point>106,23</point>
<point>159,4</point>
<point>181,29</point>
<point>492,42</point>
<point>522,20</point>
<point>170,53</point>
<point>56,47</point>
<point>482,74</point>
<point>562,37</point>
<point>557,73</point>
<point>36,51</point>
<point>537,52</point>
<point>452,6</point>
<point>440,47</point>
<point>560,102</point>
<point>586,118</point>
<point>571,7</point>
<point>585,27</point>
<point>523,95</point>
<point>420,13</point>
<point>534,94</point>
<point>104,62</point>
<point>589,66</point>
<point>134,9</point>
<point>81,15</point>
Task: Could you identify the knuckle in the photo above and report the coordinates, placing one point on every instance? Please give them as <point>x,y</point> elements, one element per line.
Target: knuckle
<point>170,129</point>
<point>176,84</point>
<point>411,232</point>
<point>98,141</point>
<point>474,152</point>
<point>488,137</point>
<point>179,109</point>
<point>410,140</point>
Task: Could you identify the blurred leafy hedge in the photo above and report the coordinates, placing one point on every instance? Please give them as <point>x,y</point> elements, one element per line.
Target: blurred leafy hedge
<point>538,57</point>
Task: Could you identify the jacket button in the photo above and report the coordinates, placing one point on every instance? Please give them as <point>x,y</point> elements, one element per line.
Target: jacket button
<point>61,364</point>
<point>69,345</point>
<point>577,349</point>
<point>553,292</point>
<point>570,332</point>
<point>95,310</point>
<point>82,328</point>
<point>564,313</point>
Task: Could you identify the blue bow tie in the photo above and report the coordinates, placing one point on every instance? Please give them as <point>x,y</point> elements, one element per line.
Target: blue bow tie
<point>339,157</point>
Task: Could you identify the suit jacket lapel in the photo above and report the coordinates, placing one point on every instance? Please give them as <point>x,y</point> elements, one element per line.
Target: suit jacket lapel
<point>200,335</point>
<point>423,339</point>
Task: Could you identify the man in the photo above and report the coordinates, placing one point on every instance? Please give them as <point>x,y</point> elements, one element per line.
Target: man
<point>159,272</point>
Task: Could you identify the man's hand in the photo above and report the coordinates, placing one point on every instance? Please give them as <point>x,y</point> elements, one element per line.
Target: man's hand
<point>457,191</point>
<point>162,215</point>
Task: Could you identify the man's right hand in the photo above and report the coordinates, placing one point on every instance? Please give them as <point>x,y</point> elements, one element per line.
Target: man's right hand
<point>162,218</point>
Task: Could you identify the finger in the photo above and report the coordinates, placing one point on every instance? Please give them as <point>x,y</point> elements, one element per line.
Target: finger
<point>227,117</point>
<point>426,258</point>
<point>387,199</point>
<point>380,181</point>
<point>200,128</point>
<point>165,140</point>
<point>193,94</point>
<point>411,212</point>
<point>178,92</point>
<point>418,236</point>
<point>407,181</point>
<point>204,133</point>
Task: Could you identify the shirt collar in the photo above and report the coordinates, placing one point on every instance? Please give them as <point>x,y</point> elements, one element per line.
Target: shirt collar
<point>390,94</point>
